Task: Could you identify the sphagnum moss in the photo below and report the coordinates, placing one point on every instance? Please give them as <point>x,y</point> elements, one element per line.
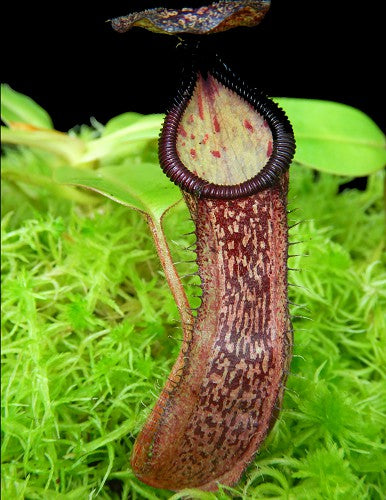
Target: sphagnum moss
<point>89,337</point>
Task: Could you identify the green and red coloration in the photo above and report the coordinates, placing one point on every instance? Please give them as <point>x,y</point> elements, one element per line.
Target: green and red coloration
<point>214,128</point>
<point>226,386</point>
<point>214,18</point>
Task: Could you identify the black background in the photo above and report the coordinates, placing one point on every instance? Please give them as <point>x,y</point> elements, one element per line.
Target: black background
<point>68,58</point>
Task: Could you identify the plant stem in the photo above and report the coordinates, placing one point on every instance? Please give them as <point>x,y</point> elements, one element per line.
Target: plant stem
<point>171,274</point>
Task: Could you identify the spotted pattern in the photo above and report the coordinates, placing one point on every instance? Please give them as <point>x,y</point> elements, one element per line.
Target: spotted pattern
<point>221,137</point>
<point>221,398</point>
<point>219,16</point>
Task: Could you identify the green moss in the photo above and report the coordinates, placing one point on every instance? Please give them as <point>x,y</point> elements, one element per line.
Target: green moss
<point>89,336</point>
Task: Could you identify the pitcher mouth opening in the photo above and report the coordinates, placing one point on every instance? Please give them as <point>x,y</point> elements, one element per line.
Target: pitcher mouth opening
<point>219,100</point>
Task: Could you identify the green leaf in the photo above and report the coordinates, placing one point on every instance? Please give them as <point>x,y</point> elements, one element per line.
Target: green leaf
<point>34,179</point>
<point>141,186</point>
<point>121,121</point>
<point>19,108</point>
<point>147,128</point>
<point>334,137</point>
<point>63,145</point>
